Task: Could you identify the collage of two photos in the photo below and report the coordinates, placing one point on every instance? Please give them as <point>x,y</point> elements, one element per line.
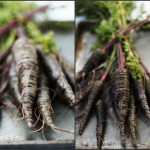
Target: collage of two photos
<point>74,75</point>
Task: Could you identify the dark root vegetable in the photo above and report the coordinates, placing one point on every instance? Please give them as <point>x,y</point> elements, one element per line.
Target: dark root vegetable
<point>94,61</point>
<point>120,95</point>
<point>141,95</point>
<point>27,70</point>
<point>101,122</point>
<point>132,118</point>
<point>90,101</point>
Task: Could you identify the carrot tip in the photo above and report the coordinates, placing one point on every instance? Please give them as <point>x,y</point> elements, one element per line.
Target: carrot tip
<point>29,124</point>
<point>80,132</point>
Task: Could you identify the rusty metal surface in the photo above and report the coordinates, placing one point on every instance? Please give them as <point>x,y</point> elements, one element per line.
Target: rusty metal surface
<point>16,131</point>
<point>112,135</point>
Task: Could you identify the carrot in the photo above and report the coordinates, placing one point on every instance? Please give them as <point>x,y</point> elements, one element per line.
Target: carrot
<point>132,118</point>
<point>61,85</point>
<point>94,61</point>
<point>44,105</point>
<point>120,96</point>
<point>44,102</point>
<point>90,101</point>
<point>83,88</point>
<point>14,83</point>
<point>101,122</point>
<point>108,102</point>
<point>57,77</point>
<point>94,92</point>
<point>68,69</point>
<point>141,95</point>
<point>27,70</point>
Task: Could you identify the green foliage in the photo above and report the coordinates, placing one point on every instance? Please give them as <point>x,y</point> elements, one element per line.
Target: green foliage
<point>11,9</point>
<point>7,40</point>
<point>15,9</point>
<point>132,62</point>
<point>112,15</point>
<point>92,9</point>
<point>48,45</point>
<point>8,11</point>
<point>119,11</point>
<point>105,31</point>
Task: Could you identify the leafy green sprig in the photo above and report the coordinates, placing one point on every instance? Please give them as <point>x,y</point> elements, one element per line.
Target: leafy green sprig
<point>15,9</point>
<point>132,61</point>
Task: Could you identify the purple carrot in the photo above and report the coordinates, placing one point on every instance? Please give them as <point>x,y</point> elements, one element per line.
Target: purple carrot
<point>93,94</point>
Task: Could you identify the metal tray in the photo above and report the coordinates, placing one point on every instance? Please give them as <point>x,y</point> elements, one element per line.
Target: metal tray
<point>112,134</point>
<point>14,134</point>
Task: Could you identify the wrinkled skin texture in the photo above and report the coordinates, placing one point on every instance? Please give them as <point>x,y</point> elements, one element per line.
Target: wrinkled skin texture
<point>27,70</point>
<point>141,95</point>
<point>101,122</point>
<point>120,96</point>
<point>94,61</point>
<point>90,101</point>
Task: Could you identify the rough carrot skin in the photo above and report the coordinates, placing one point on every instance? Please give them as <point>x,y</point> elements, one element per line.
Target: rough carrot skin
<point>57,78</point>
<point>83,87</point>
<point>141,95</point>
<point>132,118</point>
<point>14,82</point>
<point>90,101</point>
<point>94,61</point>
<point>44,101</point>
<point>108,101</point>
<point>27,70</point>
<point>101,122</point>
<point>120,95</point>
<point>68,69</point>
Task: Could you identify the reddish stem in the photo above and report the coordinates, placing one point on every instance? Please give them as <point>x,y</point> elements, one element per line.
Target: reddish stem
<point>121,62</point>
<point>20,32</point>
<point>102,79</point>
<point>124,32</point>
<point>10,25</point>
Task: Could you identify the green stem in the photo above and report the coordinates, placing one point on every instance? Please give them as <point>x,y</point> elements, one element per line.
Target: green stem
<point>140,62</point>
<point>102,79</point>
<point>123,18</point>
<point>132,61</point>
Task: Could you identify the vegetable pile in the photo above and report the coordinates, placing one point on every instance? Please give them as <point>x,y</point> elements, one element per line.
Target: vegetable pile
<point>114,76</point>
<point>32,72</point>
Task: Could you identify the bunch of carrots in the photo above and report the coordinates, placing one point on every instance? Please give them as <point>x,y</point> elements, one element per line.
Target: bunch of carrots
<point>113,81</point>
<point>31,78</point>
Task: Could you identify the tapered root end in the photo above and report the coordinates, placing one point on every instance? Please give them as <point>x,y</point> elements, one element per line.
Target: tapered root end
<point>123,142</point>
<point>80,132</point>
<point>30,124</point>
<point>99,142</point>
<point>71,105</point>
